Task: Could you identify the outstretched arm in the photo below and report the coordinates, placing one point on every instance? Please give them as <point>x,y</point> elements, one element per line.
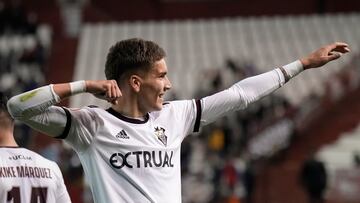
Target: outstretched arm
<point>254,88</point>
<point>36,107</point>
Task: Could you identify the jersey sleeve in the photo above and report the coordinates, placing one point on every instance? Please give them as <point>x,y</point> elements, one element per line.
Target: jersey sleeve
<point>240,95</point>
<point>36,109</point>
<point>187,115</point>
<point>245,92</point>
<point>81,127</point>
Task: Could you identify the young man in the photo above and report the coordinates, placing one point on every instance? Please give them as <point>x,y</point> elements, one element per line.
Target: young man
<point>25,176</point>
<point>131,151</point>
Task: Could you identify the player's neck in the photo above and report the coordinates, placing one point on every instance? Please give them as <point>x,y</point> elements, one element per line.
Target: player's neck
<point>129,109</point>
<point>7,139</point>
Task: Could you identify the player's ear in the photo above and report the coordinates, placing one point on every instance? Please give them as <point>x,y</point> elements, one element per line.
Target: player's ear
<point>135,82</point>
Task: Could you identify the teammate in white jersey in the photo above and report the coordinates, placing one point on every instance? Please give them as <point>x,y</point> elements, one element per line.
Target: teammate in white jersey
<point>131,151</point>
<point>25,176</point>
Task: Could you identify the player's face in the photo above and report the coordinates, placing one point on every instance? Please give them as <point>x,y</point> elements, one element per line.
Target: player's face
<point>153,87</point>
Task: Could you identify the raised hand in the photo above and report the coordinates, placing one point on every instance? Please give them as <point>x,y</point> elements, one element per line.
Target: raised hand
<point>324,55</point>
<point>104,89</point>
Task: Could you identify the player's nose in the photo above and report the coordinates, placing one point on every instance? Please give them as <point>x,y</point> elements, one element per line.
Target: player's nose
<point>168,84</point>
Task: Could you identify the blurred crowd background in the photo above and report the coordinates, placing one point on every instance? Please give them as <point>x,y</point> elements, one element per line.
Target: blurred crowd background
<point>296,145</point>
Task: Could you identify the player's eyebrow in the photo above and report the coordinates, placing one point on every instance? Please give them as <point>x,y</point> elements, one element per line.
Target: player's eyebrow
<point>162,73</point>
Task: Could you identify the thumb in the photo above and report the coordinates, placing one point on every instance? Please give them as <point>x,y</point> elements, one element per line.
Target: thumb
<point>333,56</point>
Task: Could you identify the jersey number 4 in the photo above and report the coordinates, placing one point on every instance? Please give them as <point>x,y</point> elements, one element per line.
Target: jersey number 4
<point>38,195</point>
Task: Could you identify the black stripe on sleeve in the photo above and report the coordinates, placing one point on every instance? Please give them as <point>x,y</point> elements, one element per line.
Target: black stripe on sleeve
<point>67,126</point>
<point>198,116</point>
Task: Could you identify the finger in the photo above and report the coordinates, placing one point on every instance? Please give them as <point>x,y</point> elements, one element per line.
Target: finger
<point>113,91</point>
<point>116,89</point>
<point>342,49</point>
<point>116,92</point>
<point>333,55</point>
<point>108,92</point>
<point>338,45</point>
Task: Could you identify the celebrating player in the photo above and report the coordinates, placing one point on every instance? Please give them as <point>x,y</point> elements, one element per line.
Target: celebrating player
<point>25,176</point>
<point>131,151</point>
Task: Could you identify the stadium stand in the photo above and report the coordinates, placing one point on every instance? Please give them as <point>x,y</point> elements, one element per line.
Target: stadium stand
<point>196,45</point>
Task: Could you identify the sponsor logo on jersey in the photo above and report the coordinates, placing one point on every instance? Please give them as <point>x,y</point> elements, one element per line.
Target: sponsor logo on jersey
<point>153,159</point>
<point>160,134</point>
<point>122,135</point>
<point>20,156</point>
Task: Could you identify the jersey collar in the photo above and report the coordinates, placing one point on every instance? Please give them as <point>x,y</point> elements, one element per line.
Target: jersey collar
<point>127,119</point>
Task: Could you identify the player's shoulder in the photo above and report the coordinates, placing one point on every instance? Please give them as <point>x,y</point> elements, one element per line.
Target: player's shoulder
<point>177,103</point>
<point>93,107</point>
<point>39,156</point>
<point>171,107</point>
<point>166,104</point>
<point>34,156</point>
<point>84,108</point>
<point>91,110</point>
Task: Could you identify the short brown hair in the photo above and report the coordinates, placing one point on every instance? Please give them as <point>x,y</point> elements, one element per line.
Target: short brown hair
<point>131,55</point>
<point>4,113</point>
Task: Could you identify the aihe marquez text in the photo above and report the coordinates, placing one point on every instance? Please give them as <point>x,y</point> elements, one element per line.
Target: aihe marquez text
<point>24,172</point>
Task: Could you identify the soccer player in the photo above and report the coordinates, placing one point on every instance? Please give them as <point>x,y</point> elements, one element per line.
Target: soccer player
<point>25,176</point>
<point>131,151</point>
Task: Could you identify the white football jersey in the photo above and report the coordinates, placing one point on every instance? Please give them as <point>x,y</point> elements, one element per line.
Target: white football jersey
<point>25,177</point>
<point>130,160</point>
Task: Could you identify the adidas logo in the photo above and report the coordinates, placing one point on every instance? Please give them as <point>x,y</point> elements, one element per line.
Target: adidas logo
<point>122,135</point>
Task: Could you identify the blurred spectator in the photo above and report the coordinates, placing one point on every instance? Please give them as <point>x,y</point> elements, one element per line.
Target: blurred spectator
<point>249,181</point>
<point>220,137</point>
<point>15,16</point>
<point>357,160</point>
<point>185,155</point>
<point>31,23</point>
<point>313,179</point>
<point>230,175</point>
<point>216,139</point>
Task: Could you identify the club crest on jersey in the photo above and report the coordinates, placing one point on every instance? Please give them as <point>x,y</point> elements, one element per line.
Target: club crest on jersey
<point>160,134</point>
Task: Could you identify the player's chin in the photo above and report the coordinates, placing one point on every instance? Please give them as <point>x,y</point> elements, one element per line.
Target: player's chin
<point>159,105</point>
